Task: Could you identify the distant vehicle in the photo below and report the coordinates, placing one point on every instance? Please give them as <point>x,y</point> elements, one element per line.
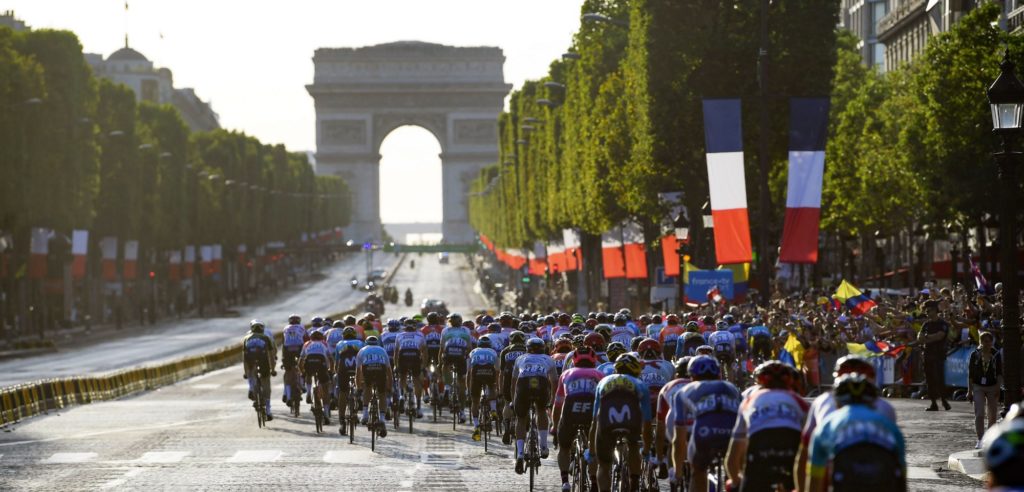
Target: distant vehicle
<point>433,306</point>
<point>377,274</point>
<point>442,258</point>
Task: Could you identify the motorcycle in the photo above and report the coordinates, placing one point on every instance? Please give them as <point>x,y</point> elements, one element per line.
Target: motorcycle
<point>408,297</point>
<point>354,283</point>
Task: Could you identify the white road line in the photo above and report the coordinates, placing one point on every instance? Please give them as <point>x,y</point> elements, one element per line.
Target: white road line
<point>921,473</point>
<point>205,386</point>
<point>255,456</point>
<point>163,457</point>
<point>69,458</point>
<point>353,457</point>
<point>118,431</point>
<point>118,482</point>
<point>243,386</point>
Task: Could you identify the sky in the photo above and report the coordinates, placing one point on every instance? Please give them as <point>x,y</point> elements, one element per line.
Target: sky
<point>252,58</point>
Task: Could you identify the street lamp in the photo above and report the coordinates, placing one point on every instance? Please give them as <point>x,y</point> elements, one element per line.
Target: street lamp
<point>546,102</point>
<point>881,241</point>
<point>1006,97</point>
<point>595,17</point>
<point>570,56</point>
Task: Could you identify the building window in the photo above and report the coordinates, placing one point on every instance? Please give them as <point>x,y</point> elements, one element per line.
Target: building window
<point>878,55</point>
<point>877,12</point>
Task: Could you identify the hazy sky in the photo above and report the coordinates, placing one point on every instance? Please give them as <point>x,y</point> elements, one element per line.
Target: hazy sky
<point>252,59</point>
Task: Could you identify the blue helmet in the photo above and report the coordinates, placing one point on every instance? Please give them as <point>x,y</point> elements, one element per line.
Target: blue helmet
<point>372,341</point>
<point>703,367</point>
<point>394,324</point>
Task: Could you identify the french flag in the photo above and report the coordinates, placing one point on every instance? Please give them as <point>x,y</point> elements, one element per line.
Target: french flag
<point>538,260</point>
<point>39,248</point>
<point>174,265</point>
<point>190,261</point>
<point>571,240</point>
<point>723,135</point>
<point>131,258</point>
<point>622,252</point>
<point>218,256</point>
<point>79,250</point>
<point>108,246</point>
<point>556,257</point>
<point>206,259</point>
<point>808,127</point>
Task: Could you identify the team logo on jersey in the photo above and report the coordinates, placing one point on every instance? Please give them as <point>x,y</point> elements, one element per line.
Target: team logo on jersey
<point>620,415</point>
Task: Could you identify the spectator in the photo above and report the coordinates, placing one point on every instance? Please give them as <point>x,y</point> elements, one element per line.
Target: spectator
<point>933,336</point>
<point>984,372</point>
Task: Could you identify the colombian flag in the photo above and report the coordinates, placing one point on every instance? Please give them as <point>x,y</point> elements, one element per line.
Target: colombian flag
<point>853,298</point>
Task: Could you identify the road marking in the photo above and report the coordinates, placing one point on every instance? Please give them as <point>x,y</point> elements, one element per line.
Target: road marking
<point>205,386</point>
<point>353,457</point>
<point>243,386</point>
<point>921,473</point>
<point>163,457</point>
<point>118,482</point>
<point>70,458</point>
<point>118,431</point>
<point>255,456</point>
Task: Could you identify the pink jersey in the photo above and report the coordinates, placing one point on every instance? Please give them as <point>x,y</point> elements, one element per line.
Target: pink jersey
<point>576,390</point>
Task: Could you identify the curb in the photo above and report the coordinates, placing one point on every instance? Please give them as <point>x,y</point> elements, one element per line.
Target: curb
<point>969,463</point>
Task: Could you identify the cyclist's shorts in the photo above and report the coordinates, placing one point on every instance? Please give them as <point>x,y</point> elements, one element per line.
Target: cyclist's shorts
<point>724,357</point>
<point>770,455</point>
<point>346,366</point>
<point>606,436</point>
<point>409,363</point>
<point>375,376</point>
<point>576,412</point>
<point>531,391</point>
<point>710,437</point>
<point>690,345</point>
<point>458,362</point>
<point>290,355</point>
<point>316,368</point>
<point>867,467</point>
<point>482,376</point>
<point>432,353</point>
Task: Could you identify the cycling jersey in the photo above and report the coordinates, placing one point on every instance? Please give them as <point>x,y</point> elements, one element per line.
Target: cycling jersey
<point>532,374</point>
<point>506,363</point>
<point>558,330</point>
<point>825,404</point>
<point>654,330</point>
<point>333,336</point>
<point>314,357</point>
<point>663,409</point>
<point>770,420</point>
<point>295,336</point>
<point>623,335</point>
<point>371,355</point>
<point>388,340</point>
<point>770,409</point>
<point>608,368</point>
<point>498,341</point>
<point>759,330</point>
<point>432,338</point>
<point>482,365</point>
<point>723,342</point>
<point>621,403</point>
<point>483,357</point>
<point>533,365</point>
<point>560,361</point>
<point>863,449</point>
<point>345,357</point>
<point>739,337</point>
<point>456,341</point>
<point>688,343</point>
<point>575,397</point>
<point>544,333</point>
<point>655,375</point>
<point>669,337</point>
<point>259,349</point>
<point>708,409</point>
<point>409,345</point>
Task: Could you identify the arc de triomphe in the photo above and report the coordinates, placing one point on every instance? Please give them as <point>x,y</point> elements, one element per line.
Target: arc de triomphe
<point>362,94</point>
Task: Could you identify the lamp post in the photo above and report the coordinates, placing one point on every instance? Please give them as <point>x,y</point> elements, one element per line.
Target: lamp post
<point>682,232</point>
<point>1006,98</point>
<point>880,242</point>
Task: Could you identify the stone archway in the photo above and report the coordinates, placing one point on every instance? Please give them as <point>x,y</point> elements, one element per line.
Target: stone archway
<point>362,94</point>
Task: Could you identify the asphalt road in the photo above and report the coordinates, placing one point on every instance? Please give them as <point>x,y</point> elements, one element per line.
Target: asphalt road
<point>172,339</point>
<point>201,434</point>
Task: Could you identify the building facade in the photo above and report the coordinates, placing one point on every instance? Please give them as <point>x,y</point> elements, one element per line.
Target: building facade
<point>861,18</point>
<point>7,19</point>
<point>905,30</point>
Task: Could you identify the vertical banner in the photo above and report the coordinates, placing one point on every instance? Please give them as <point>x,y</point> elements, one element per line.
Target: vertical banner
<point>538,259</point>
<point>556,256</point>
<point>190,261</point>
<point>108,246</point>
<point>571,239</point>
<point>243,249</point>
<point>39,248</point>
<point>218,256</point>
<point>669,245</point>
<point>131,258</point>
<point>206,260</point>
<point>723,134</point>
<point>613,258</point>
<point>174,265</point>
<point>808,126</point>
<point>634,250</point>
<point>79,252</point>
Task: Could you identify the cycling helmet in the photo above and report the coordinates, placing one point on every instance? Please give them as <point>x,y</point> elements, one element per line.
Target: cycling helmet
<point>576,329</point>
<point>417,317</point>
<point>1003,452</point>
<point>479,319</point>
<point>487,319</point>
<point>672,319</point>
<point>705,350</point>
<point>256,326</point>
<point>394,324</point>
<point>692,326</point>
<point>620,319</point>
<point>722,326</point>
<point>656,319</point>
<point>371,340</point>
<point>518,338</point>
<point>703,367</point>
<point>484,342</point>
<point>649,349</point>
<point>635,342</point>
<point>564,319</point>
<point>584,357</point>
<point>595,341</point>
<point>773,374</point>
<point>615,349</point>
<point>370,316</point>
<point>316,321</point>
<point>295,319</point>
<point>316,335</point>
<point>708,320</point>
<point>410,325</point>
<point>493,328</point>
<point>535,345</point>
<point>629,365</point>
<point>645,319</point>
<point>506,320</point>
<point>348,333</point>
<point>549,320</point>
<point>578,340</point>
<point>433,318</point>
<point>590,323</point>
<point>526,327</point>
<point>729,319</point>
<point>563,346</point>
<point>682,367</point>
<point>854,388</point>
<point>328,321</point>
<point>468,324</point>
<point>350,320</point>
<point>854,363</point>
<point>455,319</point>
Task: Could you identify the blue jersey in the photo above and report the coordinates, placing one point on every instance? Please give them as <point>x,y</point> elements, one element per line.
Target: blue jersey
<point>722,341</point>
<point>760,330</point>
<point>483,357</point>
<point>608,368</point>
<point>854,424</point>
<point>498,341</point>
<point>333,336</point>
<point>712,405</point>
<point>372,355</point>
<point>388,339</point>
<point>620,390</point>
<point>534,365</point>
<point>739,336</point>
<point>653,330</point>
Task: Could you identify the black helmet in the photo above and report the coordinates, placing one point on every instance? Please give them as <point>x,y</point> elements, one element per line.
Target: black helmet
<point>683,367</point>
<point>338,324</point>
<point>506,320</point>
<point>316,321</point>
<point>433,318</point>
<point>350,320</point>
<point>526,327</point>
<point>854,388</point>
<point>484,342</point>
<point>493,328</point>
<point>620,319</point>
<point>372,340</point>
<point>295,319</point>
<point>455,319</point>
<point>410,324</point>
<point>348,333</point>
<point>635,342</point>
<point>317,335</point>
<point>517,338</point>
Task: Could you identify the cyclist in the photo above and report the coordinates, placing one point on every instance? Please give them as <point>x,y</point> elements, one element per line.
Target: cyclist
<point>724,344</point>
<point>533,379</point>
<point>596,342</point>
<point>562,353</point>
<point>498,340</point>
<point>389,338</point>
<point>410,351</point>
<point>706,350</point>
<point>574,406</point>
<point>606,332</point>
<point>316,365</point>
<point>622,332</point>
<point>760,341</point>
<point>317,324</point>
<point>456,342</point>
<point>295,336</point>
<point>621,403</point>
<point>563,326</point>
<point>663,430</point>
<point>668,336</point>
<point>688,342</point>
<point>483,370</point>
<point>374,372</point>
<point>333,335</point>
<point>1003,452</point>
<point>544,331</point>
<point>506,363</point>
<point>259,360</point>
<point>351,321</point>
<point>704,415</point>
<point>369,328</point>
<point>345,365</point>
<point>825,404</point>
<point>432,338</point>
<point>767,433</point>
<point>856,448</point>
<point>615,349</point>
<point>657,371</point>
